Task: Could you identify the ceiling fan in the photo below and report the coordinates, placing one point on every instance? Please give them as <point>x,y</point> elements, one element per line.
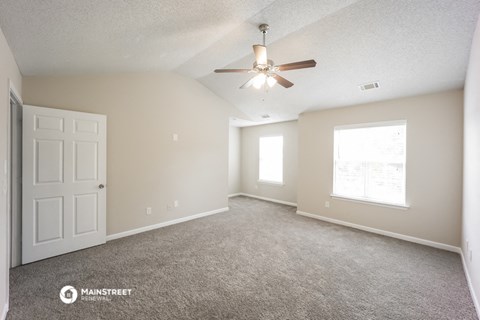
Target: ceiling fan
<point>265,69</point>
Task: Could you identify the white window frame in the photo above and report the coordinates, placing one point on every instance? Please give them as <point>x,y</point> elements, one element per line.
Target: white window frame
<point>274,183</point>
<point>403,205</point>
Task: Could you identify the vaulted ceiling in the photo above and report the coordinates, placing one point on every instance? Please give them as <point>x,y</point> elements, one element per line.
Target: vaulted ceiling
<point>410,46</point>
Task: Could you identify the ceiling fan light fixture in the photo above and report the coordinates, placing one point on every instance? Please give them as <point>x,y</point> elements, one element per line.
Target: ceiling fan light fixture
<point>271,81</point>
<point>259,80</point>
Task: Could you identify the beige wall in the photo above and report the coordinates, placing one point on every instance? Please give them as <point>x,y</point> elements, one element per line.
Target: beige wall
<point>434,166</point>
<point>250,185</point>
<point>8,72</point>
<point>471,173</point>
<point>234,178</point>
<point>146,168</point>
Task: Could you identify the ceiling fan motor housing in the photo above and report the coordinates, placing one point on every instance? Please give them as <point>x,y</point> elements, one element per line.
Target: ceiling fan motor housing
<point>264,67</point>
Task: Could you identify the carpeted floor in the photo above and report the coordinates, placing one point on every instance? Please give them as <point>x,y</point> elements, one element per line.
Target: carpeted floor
<point>258,261</point>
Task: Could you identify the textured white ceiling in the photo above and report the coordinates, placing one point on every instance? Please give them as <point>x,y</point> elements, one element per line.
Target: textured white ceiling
<point>410,46</point>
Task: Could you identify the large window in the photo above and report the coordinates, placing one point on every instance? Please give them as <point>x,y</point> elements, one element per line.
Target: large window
<point>271,159</point>
<point>369,162</point>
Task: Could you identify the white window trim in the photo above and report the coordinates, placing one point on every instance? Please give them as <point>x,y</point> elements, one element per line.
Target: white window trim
<point>371,124</point>
<point>404,206</point>
<point>371,202</point>
<point>274,183</point>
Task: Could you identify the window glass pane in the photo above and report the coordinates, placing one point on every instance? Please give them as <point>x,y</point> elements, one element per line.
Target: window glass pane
<point>349,178</point>
<point>271,159</point>
<point>369,162</point>
<point>372,143</point>
<point>385,182</point>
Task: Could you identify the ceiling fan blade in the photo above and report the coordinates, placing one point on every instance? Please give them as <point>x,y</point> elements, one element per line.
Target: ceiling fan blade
<point>231,70</point>
<point>297,65</point>
<point>283,82</point>
<point>247,84</point>
<point>260,54</point>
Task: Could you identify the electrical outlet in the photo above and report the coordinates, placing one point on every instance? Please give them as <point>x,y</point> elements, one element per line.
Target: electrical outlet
<point>148,210</point>
<point>175,137</point>
<point>175,204</point>
<point>327,204</point>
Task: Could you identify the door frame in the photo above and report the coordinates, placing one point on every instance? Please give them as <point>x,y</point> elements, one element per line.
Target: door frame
<point>15,94</point>
<point>15,193</point>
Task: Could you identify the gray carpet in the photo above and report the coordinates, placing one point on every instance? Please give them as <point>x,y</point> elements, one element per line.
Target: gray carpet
<point>257,261</point>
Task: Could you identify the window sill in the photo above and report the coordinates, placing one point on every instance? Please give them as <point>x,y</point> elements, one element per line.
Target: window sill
<point>371,202</point>
<point>273,183</point>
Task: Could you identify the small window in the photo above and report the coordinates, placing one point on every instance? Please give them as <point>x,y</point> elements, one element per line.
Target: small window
<point>369,162</point>
<point>271,159</point>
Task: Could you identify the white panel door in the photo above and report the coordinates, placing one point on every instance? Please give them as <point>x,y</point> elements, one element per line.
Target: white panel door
<point>64,182</point>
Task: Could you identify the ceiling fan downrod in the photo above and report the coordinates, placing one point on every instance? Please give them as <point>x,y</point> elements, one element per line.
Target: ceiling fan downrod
<point>264,29</point>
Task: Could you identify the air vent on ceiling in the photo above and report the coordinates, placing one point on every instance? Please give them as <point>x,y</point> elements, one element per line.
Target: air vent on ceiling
<point>369,86</point>
<point>265,116</point>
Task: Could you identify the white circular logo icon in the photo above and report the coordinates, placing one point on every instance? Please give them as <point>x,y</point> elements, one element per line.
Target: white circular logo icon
<point>68,294</point>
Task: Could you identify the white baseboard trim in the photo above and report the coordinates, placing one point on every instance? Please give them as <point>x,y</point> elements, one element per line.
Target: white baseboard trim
<point>470,285</point>
<point>4,312</point>
<point>234,195</point>
<point>429,243</point>
<point>163,224</point>
<point>268,199</point>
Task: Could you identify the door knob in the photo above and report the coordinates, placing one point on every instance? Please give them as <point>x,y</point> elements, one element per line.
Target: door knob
<point>101,186</point>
